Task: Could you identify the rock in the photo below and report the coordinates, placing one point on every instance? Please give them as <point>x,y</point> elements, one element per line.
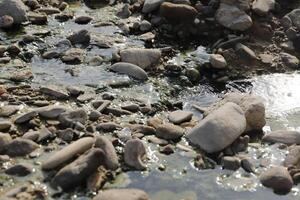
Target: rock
<point>124,12</point>
<point>277,178</point>
<point>217,61</point>
<point>131,107</point>
<point>151,5</point>
<point>26,117</point>
<point>233,18</point>
<point>144,129</point>
<point>168,149</point>
<point>134,152</point>
<point>263,7</point>
<point>73,56</point>
<point>180,116</point>
<point>101,105</point>
<point>5,125</point>
<point>130,70</point>
<point>293,157</point>
<point>94,115</point>
<point>31,135</point>
<point>178,12</point>
<point>14,8</point>
<point>19,170</point>
<point>290,60</point>
<point>83,19</point>
<point>44,134</point>
<point>78,171</point>
<point>116,111</point>
<point>245,53</point>
<point>5,140</point>
<point>70,118</point>
<point>143,58</point>
<point>219,129</point>
<point>8,110</point>
<point>39,19</point>
<point>248,165</point>
<point>6,21</point>
<point>283,136</point>
<point>122,194</point>
<point>80,37</point>
<point>51,54</point>
<point>231,163</point>
<point>292,19</point>
<point>54,91</point>
<point>20,147</point>
<point>67,153</point>
<point>108,126</point>
<point>169,131</point>
<point>51,112</point>
<point>145,26</point>
<point>66,134</point>
<point>111,159</point>
<point>48,10</point>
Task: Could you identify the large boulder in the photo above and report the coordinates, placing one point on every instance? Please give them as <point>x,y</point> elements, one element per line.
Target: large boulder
<point>14,8</point>
<point>233,18</point>
<point>219,129</point>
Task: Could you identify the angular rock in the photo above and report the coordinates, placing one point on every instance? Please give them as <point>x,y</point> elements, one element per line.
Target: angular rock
<point>130,70</point>
<point>67,153</point>
<point>169,131</point>
<point>233,18</point>
<point>134,152</point>
<point>14,8</point>
<point>78,171</point>
<point>20,147</point>
<point>80,37</point>
<point>143,58</point>
<point>277,178</point>
<point>70,118</point>
<point>178,12</point>
<point>122,194</point>
<point>219,129</point>
<point>231,163</point>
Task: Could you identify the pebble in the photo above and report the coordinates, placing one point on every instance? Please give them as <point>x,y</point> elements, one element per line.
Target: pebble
<point>180,116</point>
<point>169,131</point>
<point>26,117</point>
<point>134,153</point>
<point>217,61</point>
<point>54,91</point>
<point>231,163</point>
<point>80,37</point>
<point>5,140</point>
<point>130,70</point>
<point>5,125</point>
<point>108,127</point>
<point>122,194</point>
<point>20,147</point>
<point>83,19</point>
<point>19,170</point>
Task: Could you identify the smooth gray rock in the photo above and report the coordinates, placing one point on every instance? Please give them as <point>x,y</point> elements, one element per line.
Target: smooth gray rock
<point>5,125</point>
<point>130,70</point>
<point>283,136</point>
<point>169,131</point>
<point>51,112</point>
<point>219,129</point>
<point>122,194</point>
<point>134,152</point>
<point>14,8</point>
<point>180,116</point>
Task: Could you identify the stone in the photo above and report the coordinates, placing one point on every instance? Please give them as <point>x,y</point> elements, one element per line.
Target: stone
<point>217,61</point>
<point>293,157</point>
<point>73,56</point>
<point>31,135</point>
<point>290,60</point>
<point>231,163</point>
<point>14,8</point>
<point>6,21</point>
<point>19,170</point>
<point>116,111</point>
<point>122,194</point>
<point>70,118</point>
<point>5,139</point>
<point>5,125</point>
<point>180,116</point>
<point>143,58</point>
<point>124,12</point>
<point>66,134</point>
<point>80,37</point>
<point>111,159</point>
<point>78,171</point>
<point>26,117</point>
<point>219,129</point>
<point>131,107</point>
<point>36,18</point>
<point>130,70</point>
<point>282,136</point>
<point>233,18</point>
<point>108,126</point>
<point>66,154</point>
<point>94,115</point>
<point>245,53</point>
<point>54,91</point>
<point>51,54</point>
<point>248,165</point>
<point>48,10</point>
<point>292,19</point>
<point>151,5</point>
<point>277,178</point>
<point>178,12</point>
<point>8,110</point>
<point>263,7</point>
<point>51,112</point>
<point>20,147</point>
<point>169,131</point>
<point>134,152</point>
<point>144,129</point>
<point>145,26</point>
<point>83,19</point>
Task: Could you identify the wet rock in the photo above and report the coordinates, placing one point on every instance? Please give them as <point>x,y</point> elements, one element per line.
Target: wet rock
<point>66,134</point>
<point>108,126</point>
<point>124,12</point>
<point>75,91</point>
<point>20,147</point>
<point>231,163</point>
<point>290,60</point>
<point>80,37</point>
<point>169,131</point>
<point>293,157</point>
<point>5,139</point>
<point>217,61</point>
<point>5,125</point>
<point>6,21</point>
<point>233,18</point>
<point>151,5</point>
<point>83,19</point>
<point>49,10</point>
<point>129,69</point>
<point>143,58</point>
<point>44,134</point>
<point>36,18</point>
<point>94,115</point>
<point>283,136</point>
<point>51,112</point>
<point>78,171</point>
<point>51,54</point>
<point>19,170</point>
<point>54,91</point>
<point>14,8</point>
<point>70,118</point>
<point>67,153</point>
<point>122,194</point>
<point>134,152</point>
<point>263,7</point>
<point>245,53</point>
<point>180,116</point>
<point>292,19</point>
<point>111,159</point>
<point>26,117</point>
<point>73,56</point>
<point>168,149</point>
<point>248,165</point>
<point>116,111</point>
<point>146,130</point>
<point>277,178</point>
<point>8,110</point>
<point>145,26</point>
<point>178,12</point>
<point>224,126</point>
<point>131,107</point>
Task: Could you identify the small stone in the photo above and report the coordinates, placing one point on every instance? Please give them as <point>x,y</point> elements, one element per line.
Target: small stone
<point>245,52</point>
<point>5,140</point>
<point>263,7</point>
<point>169,131</point>
<point>124,12</point>
<point>168,149</point>
<point>178,12</point>
<point>134,152</point>
<point>19,170</point>
<point>80,37</point>
<point>83,19</point>
<point>179,116</point>
<point>5,125</point>
<point>217,61</point>
<point>129,69</point>
<point>290,60</point>
<point>94,115</point>
<point>70,118</point>
<point>54,91</point>
<point>6,21</point>
<point>131,107</point>
<point>231,163</point>
<point>51,112</point>
<point>145,26</point>
<point>20,147</point>
<point>122,194</point>
<point>108,127</point>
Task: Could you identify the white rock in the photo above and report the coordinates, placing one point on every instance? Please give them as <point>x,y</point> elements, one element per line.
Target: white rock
<point>263,7</point>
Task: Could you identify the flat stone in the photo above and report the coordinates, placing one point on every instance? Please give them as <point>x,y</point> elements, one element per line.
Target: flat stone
<point>8,110</point>
<point>130,70</point>
<point>283,136</point>
<point>5,139</point>
<point>26,117</point>
<point>5,125</point>
<point>19,170</point>
<point>55,91</point>
<point>20,147</point>
<point>122,194</point>
<point>169,131</point>
<point>134,152</point>
<point>51,112</point>
<point>178,12</point>
<point>151,5</point>
<point>180,116</point>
